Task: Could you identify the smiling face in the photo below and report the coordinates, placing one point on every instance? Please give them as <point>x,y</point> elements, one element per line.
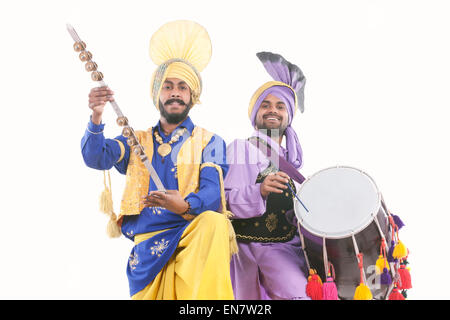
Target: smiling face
<point>175,100</point>
<point>272,114</point>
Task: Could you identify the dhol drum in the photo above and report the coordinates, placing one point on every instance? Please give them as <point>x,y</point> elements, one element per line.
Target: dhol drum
<point>343,221</point>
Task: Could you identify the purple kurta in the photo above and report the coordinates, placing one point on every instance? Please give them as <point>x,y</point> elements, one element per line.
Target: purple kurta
<point>260,270</point>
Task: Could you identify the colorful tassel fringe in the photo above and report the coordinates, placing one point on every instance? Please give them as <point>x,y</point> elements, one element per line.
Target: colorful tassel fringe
<point>385,277</point>
<point>400,251</point>
<point>314,286</point>
<point>396,295</point>
<point>362,292</point>
<point>330,290</point>
<point>405,278</point>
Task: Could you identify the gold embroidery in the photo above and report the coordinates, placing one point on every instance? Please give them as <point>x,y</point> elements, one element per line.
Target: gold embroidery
<point>271,222</point>
<point>266,239</point>
<point>133,260</point>
<point>159,247</point>
<point>157,210</point>
<point>175,171</point>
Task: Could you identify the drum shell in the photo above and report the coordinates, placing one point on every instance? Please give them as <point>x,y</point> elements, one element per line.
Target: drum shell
<point>341,253</point>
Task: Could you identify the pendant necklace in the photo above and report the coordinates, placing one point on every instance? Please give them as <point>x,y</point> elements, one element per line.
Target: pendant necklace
<point>165,147</point>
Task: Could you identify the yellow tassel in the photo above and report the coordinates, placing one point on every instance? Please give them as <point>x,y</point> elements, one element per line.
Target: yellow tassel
<point>234,249</point>
<point>380,264</point>
<point>112,228</point>
<point>107,207</point>
<point>400,251</point>
<point>362,292</point>
<point>106,202</point>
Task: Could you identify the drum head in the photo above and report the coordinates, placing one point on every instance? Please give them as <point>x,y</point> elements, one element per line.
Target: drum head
<point>341,201</point>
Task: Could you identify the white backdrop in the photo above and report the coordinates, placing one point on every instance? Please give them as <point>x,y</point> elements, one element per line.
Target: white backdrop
<point>376,99</point>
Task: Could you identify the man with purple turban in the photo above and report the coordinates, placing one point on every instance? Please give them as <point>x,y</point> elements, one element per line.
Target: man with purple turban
<point>260,187</point>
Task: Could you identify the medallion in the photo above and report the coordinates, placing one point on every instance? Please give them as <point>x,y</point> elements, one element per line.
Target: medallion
<point>164,149</point>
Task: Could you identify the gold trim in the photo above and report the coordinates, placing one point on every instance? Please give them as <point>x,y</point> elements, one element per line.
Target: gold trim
<point>141,237</point>
<point>122,150</point>
<point>260,239</point>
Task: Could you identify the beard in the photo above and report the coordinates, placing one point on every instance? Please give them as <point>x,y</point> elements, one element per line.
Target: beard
<point>174,118</point>
<point>271,131</point>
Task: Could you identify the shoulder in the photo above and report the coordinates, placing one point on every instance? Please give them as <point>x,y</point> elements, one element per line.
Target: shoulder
<point>241,151</point>
<point>207,135</point>
<point>143,134</point>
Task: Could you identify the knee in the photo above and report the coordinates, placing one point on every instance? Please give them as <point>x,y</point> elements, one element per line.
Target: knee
<point>212,219</point>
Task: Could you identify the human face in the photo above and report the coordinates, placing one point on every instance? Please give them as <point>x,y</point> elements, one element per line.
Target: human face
<point>175,100</point>
<point>272,114</point>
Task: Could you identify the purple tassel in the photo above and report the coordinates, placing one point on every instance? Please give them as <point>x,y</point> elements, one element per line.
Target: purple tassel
<point>398,221</point>
<point>385,277</point>
<point>390,258</point>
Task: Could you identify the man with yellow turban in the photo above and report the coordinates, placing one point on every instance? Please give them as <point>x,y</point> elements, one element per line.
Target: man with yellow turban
<point>260,186</point>
<point>183,245</point>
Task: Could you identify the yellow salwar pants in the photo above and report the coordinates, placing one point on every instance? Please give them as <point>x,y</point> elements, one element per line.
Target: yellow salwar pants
<point>200,267</point>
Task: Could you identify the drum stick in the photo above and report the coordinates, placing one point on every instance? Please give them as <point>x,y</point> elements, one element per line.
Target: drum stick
<point>295,195</point>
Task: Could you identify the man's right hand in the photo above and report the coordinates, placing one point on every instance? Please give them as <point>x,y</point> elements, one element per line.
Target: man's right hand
<point>274,182</point>
<point>97,101</point>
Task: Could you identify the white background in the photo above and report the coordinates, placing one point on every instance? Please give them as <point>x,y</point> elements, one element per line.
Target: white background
<point>376,99</point>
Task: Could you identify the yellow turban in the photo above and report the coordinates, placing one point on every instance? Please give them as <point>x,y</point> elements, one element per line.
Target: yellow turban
<point>181,49</point>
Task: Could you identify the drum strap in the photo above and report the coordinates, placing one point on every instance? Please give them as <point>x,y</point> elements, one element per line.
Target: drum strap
<point>283,164</point>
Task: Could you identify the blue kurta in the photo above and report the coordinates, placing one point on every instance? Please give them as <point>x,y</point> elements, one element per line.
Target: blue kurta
<point>149,257</point>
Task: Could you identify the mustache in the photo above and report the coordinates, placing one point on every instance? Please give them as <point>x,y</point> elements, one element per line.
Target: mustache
<point>272,115</point>
<point>179,101</point>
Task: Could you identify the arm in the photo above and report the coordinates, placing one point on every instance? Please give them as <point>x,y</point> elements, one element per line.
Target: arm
<point>243,194</point>
<point>208,195</point>
<point>98,152</point>
<point>102,154</point>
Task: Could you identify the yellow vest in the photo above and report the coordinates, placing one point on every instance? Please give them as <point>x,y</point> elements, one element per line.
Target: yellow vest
<point>188,170</point>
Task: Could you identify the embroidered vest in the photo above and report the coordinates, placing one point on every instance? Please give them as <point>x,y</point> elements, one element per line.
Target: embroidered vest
<point>272,226</point>
<point>188,169</point>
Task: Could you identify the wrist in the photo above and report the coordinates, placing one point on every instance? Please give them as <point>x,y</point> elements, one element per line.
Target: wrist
<point>188,208</point>
<point>96,118</point>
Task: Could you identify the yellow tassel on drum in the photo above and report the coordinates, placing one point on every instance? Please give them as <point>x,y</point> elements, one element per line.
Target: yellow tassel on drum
<point>381,264</point>
<point>362,292</point>
<point>106,206</point>
<point>400,251</point>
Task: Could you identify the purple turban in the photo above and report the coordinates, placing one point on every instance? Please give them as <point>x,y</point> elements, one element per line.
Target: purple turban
<point>288,86</point>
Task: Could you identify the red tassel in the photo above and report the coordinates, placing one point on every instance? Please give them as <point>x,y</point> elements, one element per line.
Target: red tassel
<point>405,278</point>
<point>396,295</point>
<point>314,286</point>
